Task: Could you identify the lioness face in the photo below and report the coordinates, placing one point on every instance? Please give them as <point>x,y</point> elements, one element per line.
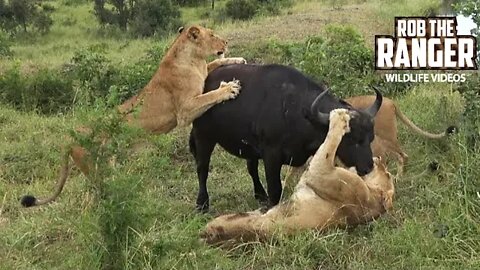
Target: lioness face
<point>207,43</point>
<point>382,179</point>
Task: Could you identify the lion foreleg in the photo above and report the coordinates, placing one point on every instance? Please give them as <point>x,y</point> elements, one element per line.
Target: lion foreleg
<point>224,61</point>
<point>195,107</point>
<point>328,181</point>
<point>324,158</point>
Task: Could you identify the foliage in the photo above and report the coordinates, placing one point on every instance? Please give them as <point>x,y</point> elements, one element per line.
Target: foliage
<point>143,17</point>
<point>471,89</point>
<point>150,19</point>
<point>74,2</point>
<point>192,2</point>
<point>246,9</point>
<point>5,44</point>
<point>339,58</point>
<point>93,74</point>
<point>45,91</point>
<point>241,9</point>
<point>25,14</point>
<point>117,196</point>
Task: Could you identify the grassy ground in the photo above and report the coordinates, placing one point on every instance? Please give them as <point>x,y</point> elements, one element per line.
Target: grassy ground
<point>142,217</point>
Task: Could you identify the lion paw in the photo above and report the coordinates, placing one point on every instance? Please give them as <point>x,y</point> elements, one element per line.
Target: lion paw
<point>340,118</point>
<point>232,89</point>
<point>234,60</point>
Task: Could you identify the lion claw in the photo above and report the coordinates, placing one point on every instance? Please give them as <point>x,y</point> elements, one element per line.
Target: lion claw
<point>233,88</point>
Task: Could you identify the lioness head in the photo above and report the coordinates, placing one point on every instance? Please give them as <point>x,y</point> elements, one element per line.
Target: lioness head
<point>381,179</point>
<point>205,41</point>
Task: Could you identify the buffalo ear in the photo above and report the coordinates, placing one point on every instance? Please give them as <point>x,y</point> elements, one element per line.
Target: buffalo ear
<point>180,29</point>
<point>372,110</point>
<point>193,32</point>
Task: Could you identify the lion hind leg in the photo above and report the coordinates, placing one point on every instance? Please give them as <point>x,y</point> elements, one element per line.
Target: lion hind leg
<point>240,227</point>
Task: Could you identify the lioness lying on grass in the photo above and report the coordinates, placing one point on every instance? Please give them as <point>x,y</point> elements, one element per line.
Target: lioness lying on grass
<point>326,196</point>
<point>173,97</point>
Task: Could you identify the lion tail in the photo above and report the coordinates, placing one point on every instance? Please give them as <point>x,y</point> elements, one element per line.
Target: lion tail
<point>30,200</point>
<point>416,129</point>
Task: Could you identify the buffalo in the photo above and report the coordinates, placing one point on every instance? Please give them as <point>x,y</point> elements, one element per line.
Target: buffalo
<point>280,116</point>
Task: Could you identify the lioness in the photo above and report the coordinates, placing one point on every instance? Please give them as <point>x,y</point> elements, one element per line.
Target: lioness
<point>173,97</point>
<point>326,196</point>
<point>385,128</point>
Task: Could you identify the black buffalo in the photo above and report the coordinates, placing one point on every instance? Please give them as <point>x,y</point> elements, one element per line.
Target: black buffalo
<point>280,116</point>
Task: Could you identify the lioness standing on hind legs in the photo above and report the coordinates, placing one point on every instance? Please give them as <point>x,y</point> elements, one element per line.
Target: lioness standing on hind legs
<point>173,97</point>
<point>326,197</point>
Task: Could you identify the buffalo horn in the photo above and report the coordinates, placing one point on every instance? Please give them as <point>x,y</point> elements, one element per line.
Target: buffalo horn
<point>372,110</point>
<point>322,117</point>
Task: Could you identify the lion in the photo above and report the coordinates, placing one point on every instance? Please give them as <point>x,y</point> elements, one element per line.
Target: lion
<point>326,197</point>
<point>173,97</point>
<point>385,129</point>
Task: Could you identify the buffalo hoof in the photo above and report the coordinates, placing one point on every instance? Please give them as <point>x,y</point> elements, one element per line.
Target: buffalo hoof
<point>261,198</point>
<point>202,208</point>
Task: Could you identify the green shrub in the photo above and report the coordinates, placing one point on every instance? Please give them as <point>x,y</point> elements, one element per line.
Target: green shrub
<point>45,91</point>
<point>340,58</point>
<point>155,17</point>
<point>273,7</point>
<point>5,50</point>
<point>246,9</point>
<point>93,73</point>
<point>74,2</point>
<point>192,3</point>
<point>117,194</point>
<point>241,9</point>
<point>470,91</point>
<point>16,15</point>
<point>141,17</point>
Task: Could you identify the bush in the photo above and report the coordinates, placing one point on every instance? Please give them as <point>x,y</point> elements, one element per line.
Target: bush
<point>241,9</point>
<point>273,7</point>
<point>470,91</point>
<point>155,17</point>
<point>93,74</point>
<point>340,58</point>
<point>5,50</point>
<point>25,14</point>
<point>74,2</point>
<point>192,3</point>
<point>246,9</point>
<point>46,91</point>
<point>142,17</point>
<point>117,193</point>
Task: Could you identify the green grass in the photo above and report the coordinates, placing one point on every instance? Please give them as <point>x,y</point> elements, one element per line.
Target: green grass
<point>153,194</point>
<point>141,215</point>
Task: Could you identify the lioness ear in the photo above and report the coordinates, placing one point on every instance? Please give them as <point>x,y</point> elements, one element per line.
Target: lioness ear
<point>193,32</point>
<point>180,29</point>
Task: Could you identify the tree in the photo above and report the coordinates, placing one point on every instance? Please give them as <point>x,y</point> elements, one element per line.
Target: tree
<point>22,14</point>
<point>149,19</point>
<point>143,17</point>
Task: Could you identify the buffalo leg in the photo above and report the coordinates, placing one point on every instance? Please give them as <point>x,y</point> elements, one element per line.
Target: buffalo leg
<point>260,194</point>
<point>273,165</point>
<point>202,153</point>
